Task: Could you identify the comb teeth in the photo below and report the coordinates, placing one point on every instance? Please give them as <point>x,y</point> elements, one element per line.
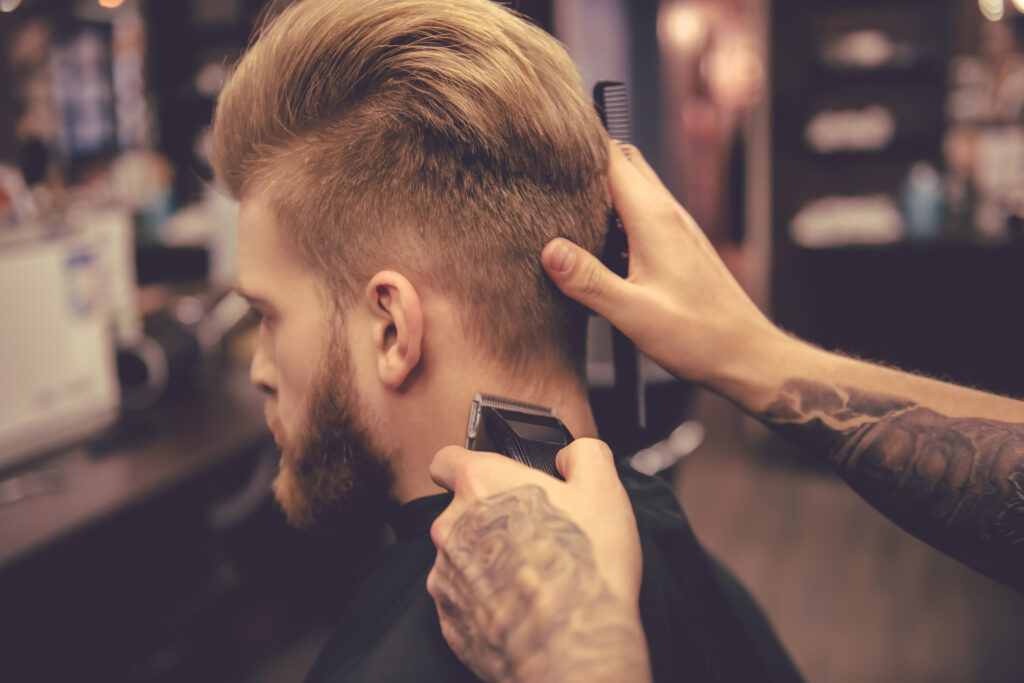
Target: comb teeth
<point>612,103</point>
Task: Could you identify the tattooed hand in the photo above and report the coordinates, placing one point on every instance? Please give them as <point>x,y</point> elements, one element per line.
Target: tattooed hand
<point>538,579</point>
<point>944,462</point>
<point>955,482</point>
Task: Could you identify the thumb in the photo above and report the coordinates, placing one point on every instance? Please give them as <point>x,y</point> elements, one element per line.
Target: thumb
<point>582,276</point>
<point>587,460</point>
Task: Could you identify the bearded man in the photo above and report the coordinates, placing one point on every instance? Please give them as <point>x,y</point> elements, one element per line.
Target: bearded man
<point>399,165</point>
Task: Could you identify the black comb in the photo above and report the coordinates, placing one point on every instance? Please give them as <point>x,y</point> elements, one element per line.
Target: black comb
<point>611,100</point>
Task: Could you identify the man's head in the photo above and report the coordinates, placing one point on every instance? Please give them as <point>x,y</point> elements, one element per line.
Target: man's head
<point>411,146</point>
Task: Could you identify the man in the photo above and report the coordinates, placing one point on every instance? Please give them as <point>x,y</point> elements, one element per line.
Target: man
<point>399,164</point>
<point>944,462</point>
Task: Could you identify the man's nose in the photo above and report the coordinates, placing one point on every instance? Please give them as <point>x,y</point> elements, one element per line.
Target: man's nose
<point>261,372</point>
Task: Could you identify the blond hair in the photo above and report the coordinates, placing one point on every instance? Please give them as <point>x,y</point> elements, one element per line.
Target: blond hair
<point>450,139</point>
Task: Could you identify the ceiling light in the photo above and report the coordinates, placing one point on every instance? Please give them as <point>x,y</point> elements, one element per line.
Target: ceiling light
<point>684,25</point>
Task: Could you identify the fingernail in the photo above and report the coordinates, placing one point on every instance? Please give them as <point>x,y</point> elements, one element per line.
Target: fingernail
<point>625,147</point>
<point>562,258</point>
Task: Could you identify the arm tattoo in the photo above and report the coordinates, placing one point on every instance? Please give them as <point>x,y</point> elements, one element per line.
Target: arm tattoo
<point>957,483</point>
<point>540,611</point>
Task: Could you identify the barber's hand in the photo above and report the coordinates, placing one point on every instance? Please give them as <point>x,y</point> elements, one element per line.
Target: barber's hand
<point>539,579</point>
<point>679,304</point>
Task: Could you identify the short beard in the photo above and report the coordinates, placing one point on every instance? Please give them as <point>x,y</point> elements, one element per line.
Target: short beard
<point>333,479</point>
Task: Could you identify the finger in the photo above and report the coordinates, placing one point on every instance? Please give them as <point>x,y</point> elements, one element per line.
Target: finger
<point>582,276</point>
<point>450,461</point>
<point>441,527</point>
<point>434,582</point>
<point>638,201</point>
<point>448,612</point>
<point>473,475</point>
<point>637,159</point>
<point>586,460</point>
<point>445,464</point>
<point>453,636</point>
<point>439,585</point>
<point>646,206</point>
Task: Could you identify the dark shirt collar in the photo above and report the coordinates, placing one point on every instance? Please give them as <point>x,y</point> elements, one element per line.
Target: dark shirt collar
<point>416,516</point>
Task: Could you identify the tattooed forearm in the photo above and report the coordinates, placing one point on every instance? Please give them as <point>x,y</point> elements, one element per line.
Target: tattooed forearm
<point>522,592</point>
<point>957,483</point>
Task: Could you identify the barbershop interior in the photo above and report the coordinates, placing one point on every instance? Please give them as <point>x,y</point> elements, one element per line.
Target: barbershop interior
<point>857,166</point>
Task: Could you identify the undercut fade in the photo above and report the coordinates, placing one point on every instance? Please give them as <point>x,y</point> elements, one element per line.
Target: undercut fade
<point>448,139</point>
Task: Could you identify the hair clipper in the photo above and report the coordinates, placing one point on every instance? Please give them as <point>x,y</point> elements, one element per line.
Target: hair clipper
<point>525,432</point>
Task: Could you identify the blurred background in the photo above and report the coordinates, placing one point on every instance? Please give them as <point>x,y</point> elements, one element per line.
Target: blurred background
<point>859,164</point>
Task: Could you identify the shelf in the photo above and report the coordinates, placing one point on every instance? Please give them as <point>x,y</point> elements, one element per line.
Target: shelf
<point>941,245</point>
<point>927,68</point>
<point>937,306</point>
<point>909,149</point>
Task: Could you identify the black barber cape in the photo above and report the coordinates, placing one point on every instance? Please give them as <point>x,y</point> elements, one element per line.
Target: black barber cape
<point>700,625</point>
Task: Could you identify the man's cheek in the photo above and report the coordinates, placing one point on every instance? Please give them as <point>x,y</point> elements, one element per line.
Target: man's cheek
<point>293,418</point>
<point>285,424</point>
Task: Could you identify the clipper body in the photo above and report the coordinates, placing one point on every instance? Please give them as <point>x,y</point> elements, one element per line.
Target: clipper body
<point>525,432</point>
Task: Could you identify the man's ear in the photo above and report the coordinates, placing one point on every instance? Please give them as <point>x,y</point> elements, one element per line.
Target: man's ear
<point>398,326</point>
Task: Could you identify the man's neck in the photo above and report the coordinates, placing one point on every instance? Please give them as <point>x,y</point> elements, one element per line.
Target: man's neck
<point>436,421</point>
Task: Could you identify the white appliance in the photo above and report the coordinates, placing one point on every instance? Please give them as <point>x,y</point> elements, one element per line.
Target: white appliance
<point>58,376</point>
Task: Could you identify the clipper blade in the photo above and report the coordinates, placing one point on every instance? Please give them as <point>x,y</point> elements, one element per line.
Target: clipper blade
<point>526,432</point>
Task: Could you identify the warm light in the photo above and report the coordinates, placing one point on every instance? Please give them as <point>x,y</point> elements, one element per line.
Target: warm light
<point>734,71</point>
<point>992,10</point>
<point>110,4</point>
<point>1019,4</point>
<point>684,25</point>
<point>9,5</point>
